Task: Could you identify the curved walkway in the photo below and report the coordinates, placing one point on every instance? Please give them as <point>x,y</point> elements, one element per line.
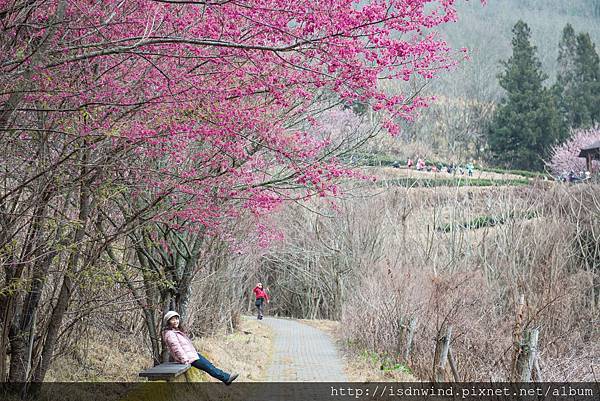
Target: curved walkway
<point>302,354</point>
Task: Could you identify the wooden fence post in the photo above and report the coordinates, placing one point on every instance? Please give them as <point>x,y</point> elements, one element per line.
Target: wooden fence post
<point>441,354</point>
<point>527,364</point>
<point>538,371</point>
<point>409,339</point>
<point>399,342</point>
<point>453,365</point>
<point>517,334</point>
<point>529,354</point>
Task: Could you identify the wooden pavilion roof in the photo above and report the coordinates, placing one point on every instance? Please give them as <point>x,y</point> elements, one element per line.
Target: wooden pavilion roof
<point>593,150</point>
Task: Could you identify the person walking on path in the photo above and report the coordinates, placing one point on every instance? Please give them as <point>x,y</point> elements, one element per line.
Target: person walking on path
<point>183,351</point>
<point>261,298</point>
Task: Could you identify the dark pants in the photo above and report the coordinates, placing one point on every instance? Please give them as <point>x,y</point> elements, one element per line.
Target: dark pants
<point>204,364</point>
<point>259,305</point>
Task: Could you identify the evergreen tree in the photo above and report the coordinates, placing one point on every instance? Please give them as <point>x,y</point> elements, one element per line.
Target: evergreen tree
<point>595,6</point>
<point>526,123</point>
<point>587,70</point>
<point>565,88</point>
<point>578,80</point>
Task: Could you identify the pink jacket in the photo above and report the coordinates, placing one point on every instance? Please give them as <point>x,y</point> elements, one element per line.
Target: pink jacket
<point>180,346</point>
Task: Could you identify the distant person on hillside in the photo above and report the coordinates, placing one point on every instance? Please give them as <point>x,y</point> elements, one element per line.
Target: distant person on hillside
<point>470,168</point>
<point>410,163</point>
<point>563,176</point>
<point>261,298</point>
<point>183,351</point>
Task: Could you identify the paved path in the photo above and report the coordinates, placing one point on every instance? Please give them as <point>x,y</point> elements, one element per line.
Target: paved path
<point>302,354</point>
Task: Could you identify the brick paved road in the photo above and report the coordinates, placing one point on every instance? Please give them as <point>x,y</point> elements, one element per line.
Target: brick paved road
<point>302,353</point>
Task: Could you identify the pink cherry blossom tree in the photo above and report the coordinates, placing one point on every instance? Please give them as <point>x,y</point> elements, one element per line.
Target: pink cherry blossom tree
<point>565,156</point>
<point>214,89</point>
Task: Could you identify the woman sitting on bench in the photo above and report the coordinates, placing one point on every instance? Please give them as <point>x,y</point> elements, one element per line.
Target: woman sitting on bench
<point>183,351</point>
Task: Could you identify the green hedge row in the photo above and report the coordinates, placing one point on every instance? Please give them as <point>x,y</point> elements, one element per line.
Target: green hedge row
<point>524,173</point>
<point>450,182</point>
<point>485,221</point>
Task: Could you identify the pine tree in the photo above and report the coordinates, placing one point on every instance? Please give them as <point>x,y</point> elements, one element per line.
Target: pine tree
<point>526,123</point>
<point>578,80</point>
<point>595,7</point>
<point>587,70</point>
<point>565,88</point>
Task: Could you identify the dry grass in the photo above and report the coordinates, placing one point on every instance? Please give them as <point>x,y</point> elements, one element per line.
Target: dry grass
<point>248,351</point>
<point>103,357</point>
<point>470,279</point>
<point>330,327</point>
<point>361,368</point>
<point>116,357</point>
<point>398,264</point>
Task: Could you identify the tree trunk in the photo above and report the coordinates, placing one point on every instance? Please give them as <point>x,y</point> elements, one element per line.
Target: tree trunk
<point>22,350</point>
<point>185,285</point>
<point>19,324</point>
<point>64,297</point>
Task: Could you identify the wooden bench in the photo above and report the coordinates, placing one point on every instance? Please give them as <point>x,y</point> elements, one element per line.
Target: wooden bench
<point>169,371</point>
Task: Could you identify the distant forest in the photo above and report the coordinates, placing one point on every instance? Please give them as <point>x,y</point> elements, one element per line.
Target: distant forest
<point>486,31</point>
<point>453,128</point>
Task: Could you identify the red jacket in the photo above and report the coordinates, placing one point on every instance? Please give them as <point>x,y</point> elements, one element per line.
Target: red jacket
<point>260,293</point>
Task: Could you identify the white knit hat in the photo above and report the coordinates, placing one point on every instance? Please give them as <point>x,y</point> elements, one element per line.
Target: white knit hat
<point>168,316</point>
